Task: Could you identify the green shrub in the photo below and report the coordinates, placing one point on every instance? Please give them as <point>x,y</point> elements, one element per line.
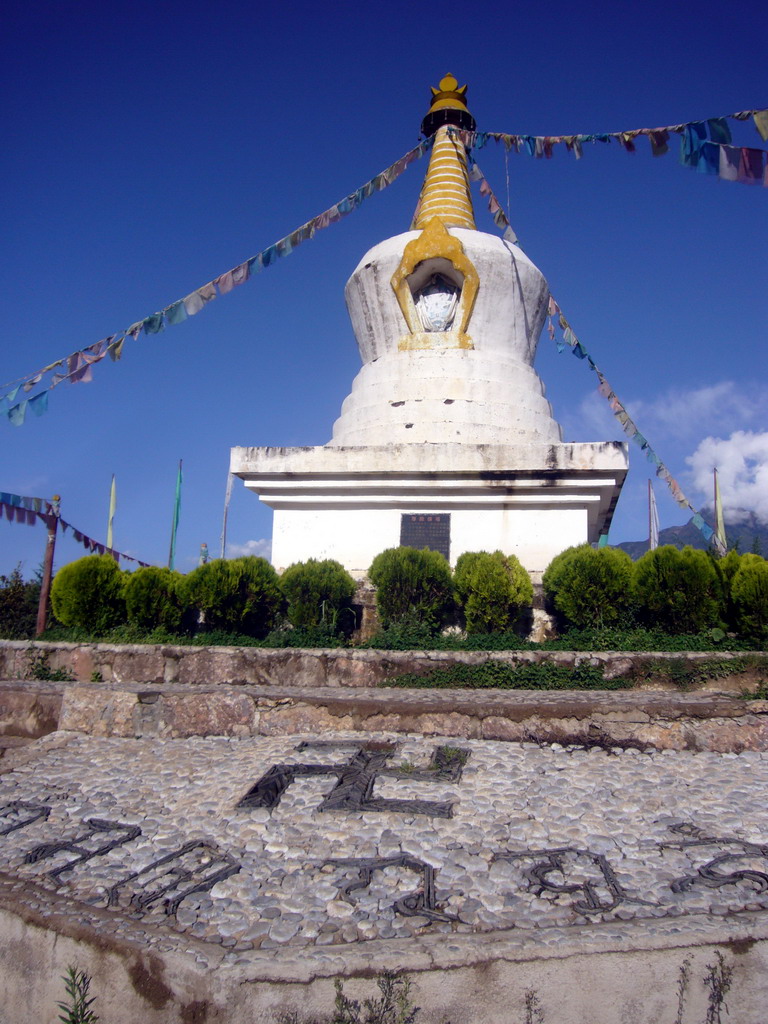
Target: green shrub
<point>642,639</point>
<point>725,569</point>
<point>306,636</point>
<point>686,674</point>
<point>317,592</point>
<point>152,598</point>
<point>412,586</point>
<point>749,592</point>
<point>393,1006</point>
<point>39,667</point>
<point>591,588</point>
<point>557,569</point>
<point>18,606</point>
<point>409,636</point>
<point>239,595</point>
<point>499,675</point>
<point>492,588</point>
<point>89,593</point>
<point>677,591</point>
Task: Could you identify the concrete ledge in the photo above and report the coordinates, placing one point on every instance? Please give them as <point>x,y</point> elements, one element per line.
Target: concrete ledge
<point>160,977</point>
<point>505,460</point>
<point>639,719</point>
<point>346,667</point>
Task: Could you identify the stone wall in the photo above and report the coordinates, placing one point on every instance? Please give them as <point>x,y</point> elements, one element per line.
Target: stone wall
<point>633,971</point>
<point>349,667</point>
<point>643,720</point>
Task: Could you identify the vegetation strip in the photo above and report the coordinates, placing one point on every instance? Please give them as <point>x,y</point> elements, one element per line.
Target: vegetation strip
<point>678,672</point>
<point>601,600</point>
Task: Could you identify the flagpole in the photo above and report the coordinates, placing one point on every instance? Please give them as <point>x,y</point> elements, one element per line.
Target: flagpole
<point>175,520</point>
<point>51,520</point>
<point>227,497</point>
<point>653,519</point>
<point>722,543</point>
<point>111,517</point>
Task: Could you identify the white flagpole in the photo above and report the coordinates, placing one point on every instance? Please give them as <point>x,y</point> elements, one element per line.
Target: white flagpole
<point>653,519</point>
<point>228,495</point>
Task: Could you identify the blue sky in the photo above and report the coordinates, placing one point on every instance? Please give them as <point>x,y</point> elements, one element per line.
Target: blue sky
<point>151,147</point>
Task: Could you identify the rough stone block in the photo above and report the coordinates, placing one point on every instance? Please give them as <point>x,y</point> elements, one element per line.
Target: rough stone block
<point>207,714</point>
<point>301,718</point>
<point>100,712</point>
<point>28,713</point>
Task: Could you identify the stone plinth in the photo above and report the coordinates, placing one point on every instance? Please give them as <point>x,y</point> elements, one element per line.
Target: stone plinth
<point>347,503</point>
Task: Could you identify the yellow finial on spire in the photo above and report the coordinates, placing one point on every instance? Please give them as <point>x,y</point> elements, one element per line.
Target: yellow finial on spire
<point>448,95</point>
<point>449,106</point>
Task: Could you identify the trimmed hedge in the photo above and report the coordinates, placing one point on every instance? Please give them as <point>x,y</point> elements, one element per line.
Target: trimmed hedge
<point>412,586</point>
<point>749,591</point>
<point>591,588</point>
<point>492,589</point>
<point>153,598</point>
<point>89,593</point>
<point>678,591</point>
<point>317,592</point>
<point>239,595</point>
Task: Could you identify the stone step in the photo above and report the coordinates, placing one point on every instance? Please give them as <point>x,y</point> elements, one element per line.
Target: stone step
<point>640,719</point>
<point>297,667</point>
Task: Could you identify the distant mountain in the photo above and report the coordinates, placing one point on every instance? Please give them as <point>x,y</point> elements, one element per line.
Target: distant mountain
<point>747,533</point>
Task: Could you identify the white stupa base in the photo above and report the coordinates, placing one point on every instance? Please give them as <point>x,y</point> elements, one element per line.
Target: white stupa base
<point>530,500</point>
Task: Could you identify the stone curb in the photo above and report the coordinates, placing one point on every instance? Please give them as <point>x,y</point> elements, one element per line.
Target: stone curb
<point>110,930</point>
<point>349,667</point>
<point>640,719</point>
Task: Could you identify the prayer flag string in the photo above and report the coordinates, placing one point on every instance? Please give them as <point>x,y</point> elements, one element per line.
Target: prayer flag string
<point>30,504</point>
<point>19,508</point>
<point>494,206</point>
<point>628,425</point>
<point>97,548</point>
<point>569,339</point>
<point>705,145</point>
<point>77,366</point>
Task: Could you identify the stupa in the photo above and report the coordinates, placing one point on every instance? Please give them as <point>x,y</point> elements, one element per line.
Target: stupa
<point>446,439</point>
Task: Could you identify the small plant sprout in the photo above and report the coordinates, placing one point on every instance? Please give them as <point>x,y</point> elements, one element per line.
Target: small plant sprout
<point>77,1008</point>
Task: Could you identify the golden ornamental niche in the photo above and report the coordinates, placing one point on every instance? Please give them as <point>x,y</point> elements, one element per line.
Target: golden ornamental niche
<point>436,286</point>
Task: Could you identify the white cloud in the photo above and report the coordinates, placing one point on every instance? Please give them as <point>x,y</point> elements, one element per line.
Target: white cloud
<point>261,548</point>
<point>593,420</point>
<point>741,461</point>
<point>680,412</point>
<point>676,414</point>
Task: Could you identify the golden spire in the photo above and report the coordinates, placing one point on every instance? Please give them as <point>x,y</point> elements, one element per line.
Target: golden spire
<point>445,193</point>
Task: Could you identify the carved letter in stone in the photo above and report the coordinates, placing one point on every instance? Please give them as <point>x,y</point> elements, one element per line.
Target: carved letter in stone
<point>420,903</point>
<point>743,864</point>
<point>19,814</point>
<point>600,893</point>
<point>93,842</point>
<point>353,790</point>
<point>195,867</point>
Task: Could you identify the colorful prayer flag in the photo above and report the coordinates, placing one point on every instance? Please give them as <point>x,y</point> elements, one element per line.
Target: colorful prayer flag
<point>175,521</point>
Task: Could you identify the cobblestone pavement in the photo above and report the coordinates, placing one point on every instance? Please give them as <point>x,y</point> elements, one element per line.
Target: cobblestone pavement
<point>290,841</point>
